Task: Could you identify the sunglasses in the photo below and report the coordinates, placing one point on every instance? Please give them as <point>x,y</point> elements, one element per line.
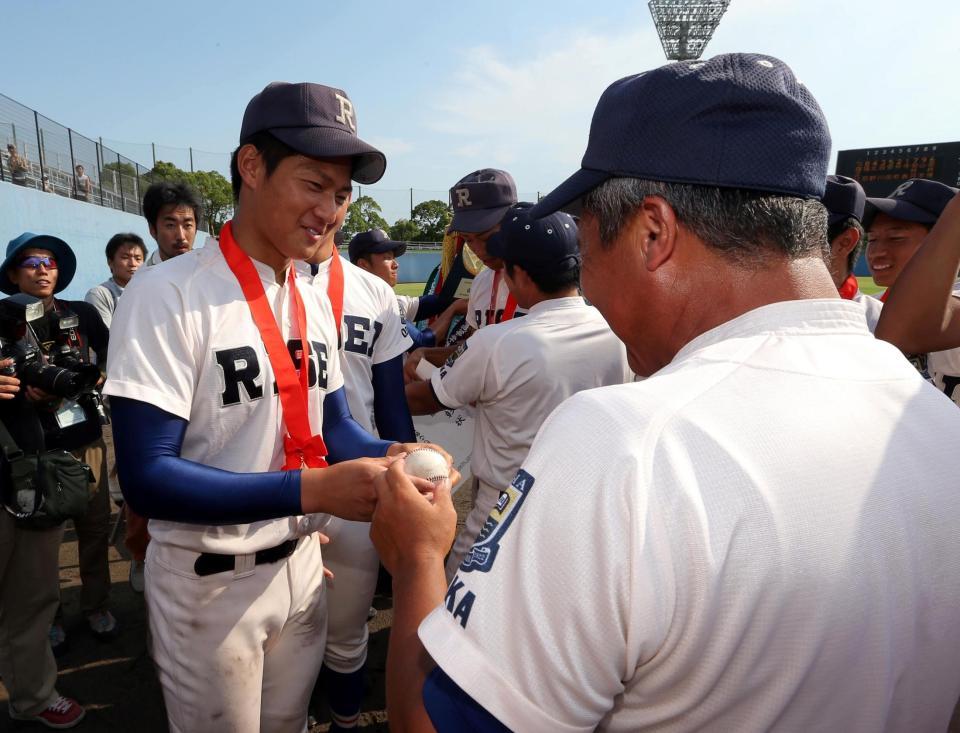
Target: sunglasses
<point>34,262</point>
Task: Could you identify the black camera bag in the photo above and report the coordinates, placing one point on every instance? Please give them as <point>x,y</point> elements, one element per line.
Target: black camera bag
<point>60,482</point>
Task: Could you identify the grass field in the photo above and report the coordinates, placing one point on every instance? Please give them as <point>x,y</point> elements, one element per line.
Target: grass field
<point>867,286</point>
<point>409,288</point>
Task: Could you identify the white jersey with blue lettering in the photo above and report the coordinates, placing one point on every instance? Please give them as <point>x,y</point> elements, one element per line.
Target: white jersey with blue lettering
<point>409,305</point>
<point>191,348</point>
<point>371,332</point>
<point>720,547</point>
<point>483,307</point>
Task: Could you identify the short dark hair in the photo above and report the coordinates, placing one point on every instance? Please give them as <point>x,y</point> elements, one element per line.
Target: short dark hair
<point>271,150</point>
<point>745,225</point>
<point>550,283</point>
<point>118,240</point>
<point>837,228</point>
<point>166,193</point>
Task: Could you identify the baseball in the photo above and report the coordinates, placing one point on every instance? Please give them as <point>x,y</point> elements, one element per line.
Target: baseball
<point>427,463</point>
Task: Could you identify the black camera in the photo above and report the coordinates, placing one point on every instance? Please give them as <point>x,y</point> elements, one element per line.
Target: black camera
<point>55,366</point>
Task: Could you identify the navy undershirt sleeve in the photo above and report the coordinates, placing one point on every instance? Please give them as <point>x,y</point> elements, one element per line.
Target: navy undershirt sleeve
<point>344,437</point>
<point>432,305</point>
<point>451,709</point>
<point>390,410</point>
<point>158,483</point>
<point>421,337</point>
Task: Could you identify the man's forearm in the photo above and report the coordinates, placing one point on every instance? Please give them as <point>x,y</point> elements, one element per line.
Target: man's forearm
<point>416,592</point>
<point>438,354</point>
<point>421,400</point>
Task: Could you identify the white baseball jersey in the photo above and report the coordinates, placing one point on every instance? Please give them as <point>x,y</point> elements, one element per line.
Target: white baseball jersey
<point>761,536</point>
<point>191,348</point>
<point>872,308</point>
<point>483,307</point>
<point>944,366</point>
<point>518,372</point>
<point>371,333</point>
<point>409,305</point>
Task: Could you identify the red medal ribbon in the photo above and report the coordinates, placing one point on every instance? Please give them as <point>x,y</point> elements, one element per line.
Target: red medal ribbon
<point>509,309</point>
<point>849,288</point>
<point>301,447</point>
<point>335,290</point>
<point>883,298</point>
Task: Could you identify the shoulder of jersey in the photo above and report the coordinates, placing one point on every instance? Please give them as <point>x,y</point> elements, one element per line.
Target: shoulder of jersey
<point>178,271</point>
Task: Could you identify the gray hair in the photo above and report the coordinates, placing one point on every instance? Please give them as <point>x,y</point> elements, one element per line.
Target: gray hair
<point>747,226</point>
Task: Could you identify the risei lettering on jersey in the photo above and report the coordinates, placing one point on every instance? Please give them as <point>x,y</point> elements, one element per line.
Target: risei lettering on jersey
<point>240,368</point>
<point>360,334</point>
<point>459,604</point>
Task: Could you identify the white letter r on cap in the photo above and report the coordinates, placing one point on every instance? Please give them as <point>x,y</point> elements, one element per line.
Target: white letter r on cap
<point>346,112</point>
<point>463,197</point>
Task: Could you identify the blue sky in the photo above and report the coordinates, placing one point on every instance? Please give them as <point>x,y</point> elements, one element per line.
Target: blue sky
<point>445,88</point>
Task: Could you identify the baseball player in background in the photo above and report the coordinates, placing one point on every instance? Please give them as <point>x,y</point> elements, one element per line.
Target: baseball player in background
<point>844,200</point>
<point>479,201</point>
<point>373,341</point>
<point>896,226</point>
<point>761,535</point>
<point>229,372</point>
<point>922,310</point>
<point>516,372</point>
<point>376,253</point>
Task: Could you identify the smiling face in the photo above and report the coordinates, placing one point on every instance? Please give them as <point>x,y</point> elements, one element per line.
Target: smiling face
<point>890,245</point>
<point>296,209</point>
<point>33,277</point>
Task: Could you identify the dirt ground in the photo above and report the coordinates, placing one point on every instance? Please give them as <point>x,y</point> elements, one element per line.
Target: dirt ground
<point>116,681</point>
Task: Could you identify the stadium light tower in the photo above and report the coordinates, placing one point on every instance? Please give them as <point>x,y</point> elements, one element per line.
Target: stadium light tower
<point>685,27</point>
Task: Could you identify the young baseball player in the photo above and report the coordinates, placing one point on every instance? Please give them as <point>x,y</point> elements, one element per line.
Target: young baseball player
<point>897,226</point>
<point>844,200</point>
<point>228,403</point>
<point>377,254</point>
<point>762,534</point>
<point>922,310</point>
<point>372,343</point>
<point>516,372</point>
<point>479,201</point>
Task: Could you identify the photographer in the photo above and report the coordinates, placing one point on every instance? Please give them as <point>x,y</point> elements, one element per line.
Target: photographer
<point>42,265</point>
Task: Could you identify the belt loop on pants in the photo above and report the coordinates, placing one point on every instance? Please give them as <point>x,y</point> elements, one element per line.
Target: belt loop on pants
<point>211,563</point>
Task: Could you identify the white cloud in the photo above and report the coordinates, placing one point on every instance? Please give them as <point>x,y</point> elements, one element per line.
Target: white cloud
<point>391,146</point>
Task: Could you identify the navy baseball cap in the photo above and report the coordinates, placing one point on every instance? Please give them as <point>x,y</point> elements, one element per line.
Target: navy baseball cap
<point>737,120</point>
<point>843,198</point>
<point>539,246</point>
<point>316,121</point>
<point>480,199</point>
<point>66,259</point>
<point>374,241</point>
<point>919,199</point>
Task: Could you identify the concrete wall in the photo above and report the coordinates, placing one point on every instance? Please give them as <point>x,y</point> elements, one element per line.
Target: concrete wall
<point>415,267</point>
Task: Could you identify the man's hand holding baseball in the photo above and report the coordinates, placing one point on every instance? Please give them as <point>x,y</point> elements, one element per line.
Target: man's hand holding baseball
<point>345,490</point>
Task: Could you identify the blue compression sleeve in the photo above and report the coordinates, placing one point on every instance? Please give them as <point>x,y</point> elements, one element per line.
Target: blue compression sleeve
<point>432,305</point>
<point>390,409</point>
<point>160,484</point>
<point>451,709</point>
<point>343,435</point>
<point>421,337</point>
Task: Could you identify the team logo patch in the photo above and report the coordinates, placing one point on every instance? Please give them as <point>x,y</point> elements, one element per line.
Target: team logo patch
<point>485,549</point>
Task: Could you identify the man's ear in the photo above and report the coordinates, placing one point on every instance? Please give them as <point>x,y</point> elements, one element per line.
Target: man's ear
<point>250,165</point>
<point>364,264</point>
<point>654,228</point>
<point>845,243</point>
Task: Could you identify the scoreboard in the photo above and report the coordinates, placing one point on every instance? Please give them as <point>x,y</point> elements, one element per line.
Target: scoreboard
<point>880,170</point>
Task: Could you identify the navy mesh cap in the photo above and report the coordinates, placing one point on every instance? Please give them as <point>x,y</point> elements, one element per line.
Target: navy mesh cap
<point>375,241</point>
<point>919,199</point>
<point>540,246</point>
<point>480,199</point>
<point>843,198</point>
<point>316,121</point>
<point>734,121</point>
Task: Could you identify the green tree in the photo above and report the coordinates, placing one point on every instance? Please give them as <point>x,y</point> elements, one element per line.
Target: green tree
<point>404,230</point>
<point>163,171</point>
<point>110,172</point>
<point>432,219</point>
<point>364,213</point>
